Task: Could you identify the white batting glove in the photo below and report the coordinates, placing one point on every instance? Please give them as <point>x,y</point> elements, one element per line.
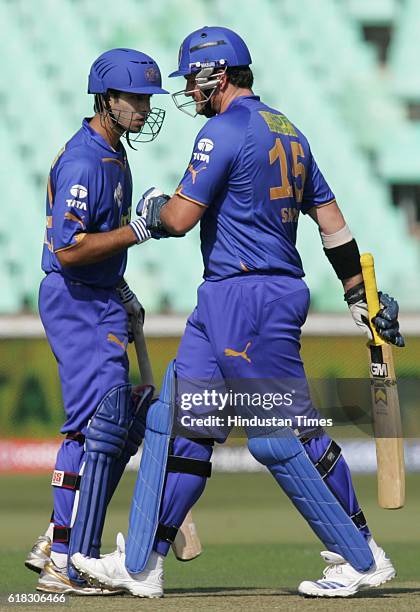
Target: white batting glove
<point>140,230</point>
<point>356,301</point>
<point>133,307</point>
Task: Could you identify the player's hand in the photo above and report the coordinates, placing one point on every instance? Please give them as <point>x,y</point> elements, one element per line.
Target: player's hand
<point>133,307</point>
<point>142,396</point>
<point>386,321</point>
<point>149,208</point>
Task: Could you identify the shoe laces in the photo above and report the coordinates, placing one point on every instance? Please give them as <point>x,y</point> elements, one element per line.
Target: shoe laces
<point>332,570</point>
<point>335,564</point>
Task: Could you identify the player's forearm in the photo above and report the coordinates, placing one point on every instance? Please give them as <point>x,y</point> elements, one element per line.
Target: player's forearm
<point>180,215</point>
<point>97,247</point>
<point>348,283</point>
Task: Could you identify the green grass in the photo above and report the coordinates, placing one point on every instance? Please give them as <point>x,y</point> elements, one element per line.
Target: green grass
<point>256,547</point>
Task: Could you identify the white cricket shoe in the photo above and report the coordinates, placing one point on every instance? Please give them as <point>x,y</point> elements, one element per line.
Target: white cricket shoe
<point>39,554</point>
<point>110,571</point>
<point>340,579</point>
<point>54,579</point>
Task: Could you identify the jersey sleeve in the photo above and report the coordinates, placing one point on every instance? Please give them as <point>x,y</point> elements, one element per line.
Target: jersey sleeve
<point>316,192</point>
<point>73,202</point>
<point>211,160</point>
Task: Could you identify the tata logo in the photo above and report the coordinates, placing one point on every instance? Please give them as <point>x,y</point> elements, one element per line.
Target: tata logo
<point>79,192</point>
<point>201,157</point>
<point>76,204</point>
<point>205,144</point>
<point>379,369</point>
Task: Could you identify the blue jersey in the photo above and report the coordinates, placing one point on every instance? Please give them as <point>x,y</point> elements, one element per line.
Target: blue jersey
<point>255,173</point>
<point>89,191</point>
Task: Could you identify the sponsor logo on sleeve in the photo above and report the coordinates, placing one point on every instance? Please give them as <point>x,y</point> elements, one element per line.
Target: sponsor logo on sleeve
<point>194,172</point>
<point>76,204</point>
<point>79,192</point>
<point>204,146</point>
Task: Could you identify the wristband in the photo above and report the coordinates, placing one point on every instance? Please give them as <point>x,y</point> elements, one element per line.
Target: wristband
<point>140,229</point>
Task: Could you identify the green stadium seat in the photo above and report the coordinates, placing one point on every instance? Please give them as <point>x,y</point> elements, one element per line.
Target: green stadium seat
<point>324,77</point>
<point>405,46</point>
<point>373,12</point>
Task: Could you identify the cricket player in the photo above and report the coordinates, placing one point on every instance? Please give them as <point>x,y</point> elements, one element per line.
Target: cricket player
<point>251,174</point>
<point>84,305</point>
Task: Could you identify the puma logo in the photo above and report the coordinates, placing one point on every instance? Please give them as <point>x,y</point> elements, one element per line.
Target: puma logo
<point>232,353</point>
<point>112,338</point>
<point>194,172</point>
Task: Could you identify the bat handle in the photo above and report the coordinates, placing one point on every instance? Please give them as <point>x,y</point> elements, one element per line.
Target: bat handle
<point>142,356</point>
<point>368,270</point>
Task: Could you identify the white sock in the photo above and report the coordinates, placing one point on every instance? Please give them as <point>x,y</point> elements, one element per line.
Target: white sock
<point>50,531</point>
<point>60,559</point>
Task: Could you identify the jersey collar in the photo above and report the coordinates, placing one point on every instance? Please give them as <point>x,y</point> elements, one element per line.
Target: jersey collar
<point>241,100</point>
<point>95,138</point>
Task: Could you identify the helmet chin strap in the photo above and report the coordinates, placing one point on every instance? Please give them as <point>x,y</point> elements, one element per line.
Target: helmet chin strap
<point>153,120</point>
<point>206,82</point>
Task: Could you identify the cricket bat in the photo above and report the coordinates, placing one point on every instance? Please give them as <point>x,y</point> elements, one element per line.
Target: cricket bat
<point>386,415</point>
<point>187,545</point>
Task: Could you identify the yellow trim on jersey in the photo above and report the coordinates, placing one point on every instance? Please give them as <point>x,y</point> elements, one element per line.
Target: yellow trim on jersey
<point>49,222</point>
<point>178,192</point>
<point>49,244</point>
<point>113,159</point>
<point>49,190</point>
<point>78,238</point>
<point>72,217</point>
<point>324,204</point>
<point>57,157</point>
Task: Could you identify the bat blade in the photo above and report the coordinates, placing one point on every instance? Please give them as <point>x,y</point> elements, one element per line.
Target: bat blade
<point>387,428</point>
<point>386,416</point>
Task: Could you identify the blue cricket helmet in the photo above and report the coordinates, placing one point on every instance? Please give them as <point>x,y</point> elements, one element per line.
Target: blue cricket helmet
<point>211,47</point>
<point>125,70</point>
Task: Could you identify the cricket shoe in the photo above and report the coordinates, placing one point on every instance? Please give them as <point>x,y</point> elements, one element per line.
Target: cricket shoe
<point>39,555</point>
<point>54,579</point>
<point>110,571</point>
<point>340,579</point>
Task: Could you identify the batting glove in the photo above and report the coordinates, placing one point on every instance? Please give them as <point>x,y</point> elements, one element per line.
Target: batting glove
<point>386,320</point>
<point>139,228</point>
<point>133,307</point>
<point>149,208</point>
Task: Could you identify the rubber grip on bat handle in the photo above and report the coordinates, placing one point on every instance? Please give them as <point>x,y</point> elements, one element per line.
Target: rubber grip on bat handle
<point>368,270</point>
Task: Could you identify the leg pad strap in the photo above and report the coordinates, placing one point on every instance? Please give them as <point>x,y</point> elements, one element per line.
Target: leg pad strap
<point>66,480</point>
<point>166,532</point>
<point>188,466</point>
